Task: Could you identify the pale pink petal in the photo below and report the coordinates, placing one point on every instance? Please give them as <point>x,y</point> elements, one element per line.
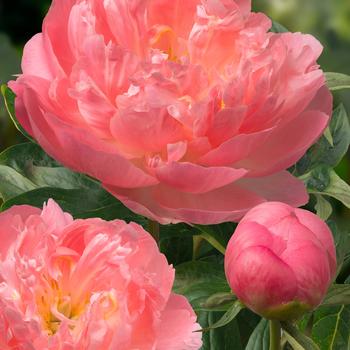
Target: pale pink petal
<point>188,177</point>
<point>177,330</point>
<point>282,187</point>
<point>12,223</point>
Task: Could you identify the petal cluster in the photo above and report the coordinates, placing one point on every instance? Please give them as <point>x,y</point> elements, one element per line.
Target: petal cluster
<point>280,261</point>
<point>185,110</point>
<point>86,285</point>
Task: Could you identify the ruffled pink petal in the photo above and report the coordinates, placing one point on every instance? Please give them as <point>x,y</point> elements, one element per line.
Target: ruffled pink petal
<point>11,224</point>
<point>192,178</point>
<point>54,217</point>
<point>178,15</point>
<point>37,59</point>
<point>56,31</point>
<point>228,203</point>
<point>89,155</point>
<point>149,131</point>
<point>282,187</point>
<point>282,149</point>
<point>127,22</point>
<point>235,149</point>
<point>178,325</point>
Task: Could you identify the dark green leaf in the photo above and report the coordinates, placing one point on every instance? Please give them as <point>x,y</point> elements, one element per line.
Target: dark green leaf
<point>278,28</point>
<point>331,147</point>
<point>219,300</point>
<point>260,338</point>
<point>224,338</point>
<point>297,339</point>
<point>9,100</point>
<point>323,207</point>
<point>29,176</point>
<point>331,327</point>
<point>337,81</point>
<point>330,185</point>
<point>341,240</point>
<point>198,281</point>
<point>227,317</point>
<point>217,235</point>
<point>338,294</point>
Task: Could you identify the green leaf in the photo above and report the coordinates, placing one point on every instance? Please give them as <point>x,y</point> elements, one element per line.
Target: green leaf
<point>200,280</point>
<point>297,339</point>
<point>227,317</point>
<point>223,338</point>
<point>336,188</point>
<point>219,300</point>
<point>260,338</point>
<point>12,183</point>
<point>278,28</point>
<point>217,235</point>
<point>323,207</point>
<point>331,147</point>
<point>342,242</point>
<point>331,327</point>
<point>9,100</point>
<point>338,294</point>
<point>29,176</point>
<point>337,81</point>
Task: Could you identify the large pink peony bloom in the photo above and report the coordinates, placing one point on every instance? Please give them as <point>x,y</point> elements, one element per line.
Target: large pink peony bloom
<point>281,261</point>
<point>186,110</point>
<point>86,285</point>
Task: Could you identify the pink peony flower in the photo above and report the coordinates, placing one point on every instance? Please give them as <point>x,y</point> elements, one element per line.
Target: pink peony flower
<point>185,110</point>
<point>280,260</point>
<point>86,285</point>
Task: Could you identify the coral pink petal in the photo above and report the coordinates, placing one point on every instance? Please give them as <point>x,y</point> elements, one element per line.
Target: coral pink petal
<point>324,235</point>
<point>56,31</point>
<point>102,164</point>
<point>146,132</point>
<point>177,327</point>
<point>11,223</point>
<point>192,178</point>
<point>176,14</point>
<point>234,149</point>
<point>307,259</point>
<point>262,213</point>
<point>282,187</point>
<point>259,278</point>
<point>37,59</point>
<point>167,205</point>
<point>249,234</point>
<point>282,149</point>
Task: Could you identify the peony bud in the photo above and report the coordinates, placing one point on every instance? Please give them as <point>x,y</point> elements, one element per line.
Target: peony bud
<point>280,261</point>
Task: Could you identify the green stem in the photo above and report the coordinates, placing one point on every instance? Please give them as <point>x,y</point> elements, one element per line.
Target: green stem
<point>154,230</point>
<point>197,242</point>
<point>275,335</point>
<point>215,243</point>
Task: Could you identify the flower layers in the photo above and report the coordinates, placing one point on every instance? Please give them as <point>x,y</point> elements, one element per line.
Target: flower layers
<point>86,285</point>
<point>185,110</point>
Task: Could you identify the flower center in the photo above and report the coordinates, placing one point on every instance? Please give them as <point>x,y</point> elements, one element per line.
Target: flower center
<point>55,306</point>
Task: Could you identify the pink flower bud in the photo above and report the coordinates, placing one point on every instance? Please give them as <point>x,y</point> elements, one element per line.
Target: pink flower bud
<point>280,261</point>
